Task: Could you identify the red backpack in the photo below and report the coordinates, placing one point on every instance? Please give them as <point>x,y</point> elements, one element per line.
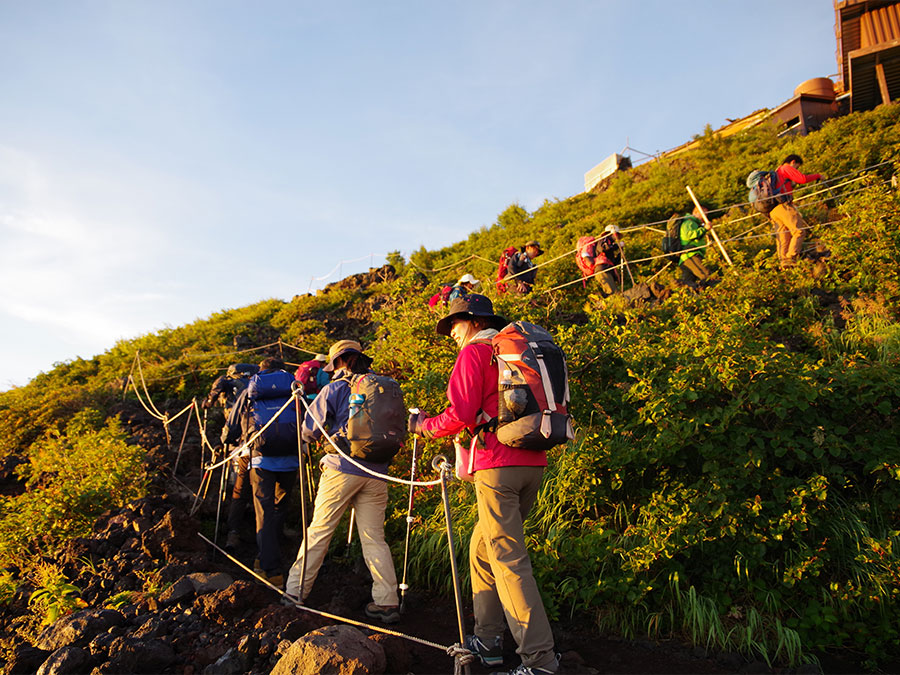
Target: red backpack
<point>441,297</point>
<point>533,383</point>
<point>586,244</point>
<point>306,375</point>
<point>502,269</point>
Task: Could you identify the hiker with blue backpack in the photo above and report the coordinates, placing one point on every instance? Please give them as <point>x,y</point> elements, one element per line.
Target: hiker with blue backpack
<point>273,456</point>
<point>365,416</point>
<point>508,396</point>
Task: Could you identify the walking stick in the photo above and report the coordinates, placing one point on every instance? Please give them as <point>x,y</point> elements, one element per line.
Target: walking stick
<point>710,227</point>
<point>409,519</point>
<point>298,393</point>
<point>441,464</point>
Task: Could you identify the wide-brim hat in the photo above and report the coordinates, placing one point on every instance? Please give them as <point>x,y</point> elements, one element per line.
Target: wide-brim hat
<point>535,244</point>
<point>468,279</point>
<point>472,305</point>
<point>341,348</point>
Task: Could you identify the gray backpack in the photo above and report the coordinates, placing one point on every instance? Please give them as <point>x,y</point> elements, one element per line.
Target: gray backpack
<point>376,428</point>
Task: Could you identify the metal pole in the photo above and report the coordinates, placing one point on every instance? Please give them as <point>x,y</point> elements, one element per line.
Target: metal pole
<point>709,226</point>
<point>441,464</point>
<point>298,393</point>
<point>409,519</point>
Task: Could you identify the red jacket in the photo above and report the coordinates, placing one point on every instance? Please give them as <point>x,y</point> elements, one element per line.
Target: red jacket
<point>788,175</point>
<point>471,389</point>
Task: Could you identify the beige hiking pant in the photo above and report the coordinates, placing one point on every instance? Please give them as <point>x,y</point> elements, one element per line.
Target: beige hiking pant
<point>504,591</point>
<point>790,231</point>
<point>369,496</point>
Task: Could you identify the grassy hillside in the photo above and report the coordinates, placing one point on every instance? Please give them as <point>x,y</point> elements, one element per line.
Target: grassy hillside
<point>735,473</point>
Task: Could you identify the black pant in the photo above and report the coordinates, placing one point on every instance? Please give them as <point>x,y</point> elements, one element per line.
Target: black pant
<point>270,500</point>
<point>240,493</point>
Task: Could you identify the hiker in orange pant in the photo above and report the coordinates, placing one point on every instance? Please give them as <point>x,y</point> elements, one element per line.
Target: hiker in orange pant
<point>790,228</point>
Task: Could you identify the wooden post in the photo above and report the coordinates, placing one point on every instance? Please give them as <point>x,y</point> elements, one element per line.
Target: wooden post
<point>710,227</point>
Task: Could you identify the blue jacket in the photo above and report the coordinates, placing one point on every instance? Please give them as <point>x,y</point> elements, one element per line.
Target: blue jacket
<point>332,409</point>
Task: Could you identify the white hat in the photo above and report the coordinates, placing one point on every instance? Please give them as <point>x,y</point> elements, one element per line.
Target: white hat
<point>611,228</point>
<point>468,279</point>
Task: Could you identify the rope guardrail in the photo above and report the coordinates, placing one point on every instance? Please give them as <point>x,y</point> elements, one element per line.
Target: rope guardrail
<point>327,615</point>
<point>374,474</point>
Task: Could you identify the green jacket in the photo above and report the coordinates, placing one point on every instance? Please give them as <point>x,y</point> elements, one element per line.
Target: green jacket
<point>692,234</point>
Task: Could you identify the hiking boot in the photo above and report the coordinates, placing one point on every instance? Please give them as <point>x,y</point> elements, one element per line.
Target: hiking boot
<point>384,613</point>
<point>289,600</point>
<point>488,655</point>
<point>232,540</point>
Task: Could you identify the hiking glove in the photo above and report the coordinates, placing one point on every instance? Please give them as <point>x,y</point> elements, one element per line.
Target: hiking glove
<point>414,425</point>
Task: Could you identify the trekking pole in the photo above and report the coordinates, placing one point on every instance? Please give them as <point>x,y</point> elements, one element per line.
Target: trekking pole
<point>223,479</point>
<point>709,226</point>
<point>350,529</point>
<point>409,519</point>
<point>181,446</point>
<point>441,464</point>
<point>298,392</point>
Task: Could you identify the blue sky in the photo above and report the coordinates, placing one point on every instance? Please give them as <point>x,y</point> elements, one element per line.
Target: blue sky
<point>163,160</point>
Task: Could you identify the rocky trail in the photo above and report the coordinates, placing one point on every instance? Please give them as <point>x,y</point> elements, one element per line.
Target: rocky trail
<point>212,617</point>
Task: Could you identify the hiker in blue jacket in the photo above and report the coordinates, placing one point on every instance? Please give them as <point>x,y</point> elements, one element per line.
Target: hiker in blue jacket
<point>273,469</point>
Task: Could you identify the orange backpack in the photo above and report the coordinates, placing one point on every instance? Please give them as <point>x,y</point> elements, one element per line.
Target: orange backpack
<point>533,383</point>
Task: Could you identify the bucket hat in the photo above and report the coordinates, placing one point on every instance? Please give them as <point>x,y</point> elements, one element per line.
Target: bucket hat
<point>340,348</point>
<point>534,243</point>
<point>320,357</point>
<point>468,279</point>
<point>472,304</point>
<point>612,228</point>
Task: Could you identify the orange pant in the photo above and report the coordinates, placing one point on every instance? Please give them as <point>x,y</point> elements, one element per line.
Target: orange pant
<point>790,231</point>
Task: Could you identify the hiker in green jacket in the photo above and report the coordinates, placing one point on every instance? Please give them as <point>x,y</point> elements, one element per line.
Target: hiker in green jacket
<point>693,242</point>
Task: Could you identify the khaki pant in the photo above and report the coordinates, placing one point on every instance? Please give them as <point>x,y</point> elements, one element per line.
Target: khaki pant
<point>693,270</point>
<point>504,591</point>
<point>369,496</point>
<point>790,231</point>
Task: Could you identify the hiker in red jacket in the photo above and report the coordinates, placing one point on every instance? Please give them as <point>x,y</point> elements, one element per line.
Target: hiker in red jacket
<point>790,228</point>
<point>506,482</point>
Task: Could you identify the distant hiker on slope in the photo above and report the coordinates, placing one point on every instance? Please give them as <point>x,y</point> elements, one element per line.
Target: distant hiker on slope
<point>343,484</point>
<point>274,459</point>
<point>312,377</point>
<point>507,480</point>
<point>790,228</point>
<point>598,258</point>
<point>521,268</point>
<point>692,234</point>
<point>466,284</point>
<point>226,390</point>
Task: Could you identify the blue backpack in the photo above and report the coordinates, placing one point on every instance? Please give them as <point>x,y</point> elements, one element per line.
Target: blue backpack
<point>267,393</point>
<point>763,191</point>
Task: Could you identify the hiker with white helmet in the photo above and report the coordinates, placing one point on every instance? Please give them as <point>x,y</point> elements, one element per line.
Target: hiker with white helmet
<point>344,484</point>
<point>465,285</point>
<point>507,480</point>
